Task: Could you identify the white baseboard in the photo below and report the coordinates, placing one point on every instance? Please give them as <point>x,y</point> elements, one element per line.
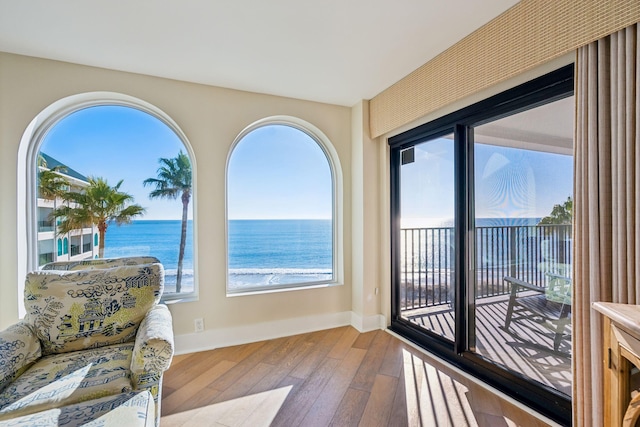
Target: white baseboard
<point>217,338</point>
<point>369,323</point>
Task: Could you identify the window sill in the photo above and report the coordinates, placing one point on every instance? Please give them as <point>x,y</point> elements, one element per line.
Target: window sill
<point>176,299</point>
<point>299,287</point>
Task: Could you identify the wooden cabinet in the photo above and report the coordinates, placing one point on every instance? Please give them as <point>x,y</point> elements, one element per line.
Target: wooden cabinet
<point>621,363</point>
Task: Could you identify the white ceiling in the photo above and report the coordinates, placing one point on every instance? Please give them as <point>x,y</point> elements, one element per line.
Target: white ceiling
<point>333,51</point>
<point>547,128</point>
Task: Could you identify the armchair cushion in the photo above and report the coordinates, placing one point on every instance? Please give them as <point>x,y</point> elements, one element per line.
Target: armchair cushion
<point>130,409</point>
<point>76,310</point>
<point>63,379</point>
<point>19,348</point>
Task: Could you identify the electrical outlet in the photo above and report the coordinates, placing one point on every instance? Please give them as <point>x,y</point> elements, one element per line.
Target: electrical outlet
<point>199,324</point>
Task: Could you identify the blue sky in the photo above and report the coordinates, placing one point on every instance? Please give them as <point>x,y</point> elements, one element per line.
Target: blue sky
<point>276,172</point>
<point>510,182</point>
<point>116,142</point>
<point>279,172</point>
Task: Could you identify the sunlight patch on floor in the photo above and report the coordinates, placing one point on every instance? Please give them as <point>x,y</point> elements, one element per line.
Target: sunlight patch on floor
<point>255,410</point>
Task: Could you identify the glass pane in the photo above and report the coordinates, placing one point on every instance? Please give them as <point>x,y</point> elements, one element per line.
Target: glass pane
<point>145,160</point>
<point>426,237</point>
<point>523,206</point>
<point>280,211</point>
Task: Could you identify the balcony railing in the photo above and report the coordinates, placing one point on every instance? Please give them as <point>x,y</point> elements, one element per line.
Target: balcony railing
<point>525,252</point>
<point>45,258</point>
<point>46,225</point>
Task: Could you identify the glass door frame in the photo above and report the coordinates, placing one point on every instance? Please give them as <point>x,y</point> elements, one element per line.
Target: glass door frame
<point>551,87</point>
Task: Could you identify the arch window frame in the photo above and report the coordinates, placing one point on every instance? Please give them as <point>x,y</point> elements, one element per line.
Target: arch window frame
<point>27,179</point>
<point>333,161</point>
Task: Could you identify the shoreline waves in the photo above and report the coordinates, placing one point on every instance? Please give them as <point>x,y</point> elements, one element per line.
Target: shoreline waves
<point>262,253</point>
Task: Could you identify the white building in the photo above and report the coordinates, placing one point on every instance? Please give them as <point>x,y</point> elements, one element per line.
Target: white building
<point>53,246</point>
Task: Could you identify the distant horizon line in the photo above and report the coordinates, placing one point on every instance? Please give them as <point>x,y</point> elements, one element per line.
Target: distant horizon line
<point>238,219</point>
<point>326,219</point>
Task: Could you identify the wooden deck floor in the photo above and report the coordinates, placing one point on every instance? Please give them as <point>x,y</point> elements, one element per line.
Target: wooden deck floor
<point>527,347</point>
<point>336,377</point>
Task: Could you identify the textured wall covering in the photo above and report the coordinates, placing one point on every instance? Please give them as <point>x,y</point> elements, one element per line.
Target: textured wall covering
<point>525,36</point>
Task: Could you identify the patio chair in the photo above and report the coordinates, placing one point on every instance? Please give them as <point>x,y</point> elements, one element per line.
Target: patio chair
<point>549,306</point>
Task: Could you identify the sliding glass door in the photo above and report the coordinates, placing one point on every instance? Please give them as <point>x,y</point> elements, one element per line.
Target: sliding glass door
<point>481,240</point>
<point>427,244</point>
<point>523,192</point>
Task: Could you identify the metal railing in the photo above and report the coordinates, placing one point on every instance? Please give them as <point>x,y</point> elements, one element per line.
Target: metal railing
<point>525,252</point>
<point>45,258</point>
<point>46,225</point>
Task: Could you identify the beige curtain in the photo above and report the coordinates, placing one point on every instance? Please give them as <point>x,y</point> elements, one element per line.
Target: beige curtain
<point>607,203</point>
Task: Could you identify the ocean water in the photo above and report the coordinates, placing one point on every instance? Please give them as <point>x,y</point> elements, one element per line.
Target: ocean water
<point>268,253</point>
<point>262,253</point>
<point>157,238</point>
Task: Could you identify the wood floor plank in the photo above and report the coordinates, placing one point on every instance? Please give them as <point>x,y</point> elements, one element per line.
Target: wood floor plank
<point>399,414</point>
<point>244,383</point>
<point>246,363</point>
<point>259,410</point>
<point>310,363</point>
<point>200,400</point>
<point>298,404</point>
<point>175,401</point>
<point>351,408</point>
<point>378,408</point>
<point>284,349</point>
<point>392,363</point>
<point>284,368</point>
<point>325,406</point>
<point>368,370</point>
<point>191,367</point>
<point>364,340</point>
<point>239,353</point>
<point>341,348</point>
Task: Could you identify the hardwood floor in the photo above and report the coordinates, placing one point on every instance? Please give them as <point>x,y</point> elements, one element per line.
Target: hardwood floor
<point>336,377</point>
<point>527,347</point>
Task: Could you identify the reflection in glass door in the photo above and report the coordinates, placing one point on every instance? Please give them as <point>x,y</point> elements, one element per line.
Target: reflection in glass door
<point>427,291</point>
<point>523,191</point>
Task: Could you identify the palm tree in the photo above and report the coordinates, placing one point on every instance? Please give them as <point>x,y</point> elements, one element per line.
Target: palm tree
<point>560,214</point>
<point>51,183</point>
<point>174,178</point>
<point>97,204</point>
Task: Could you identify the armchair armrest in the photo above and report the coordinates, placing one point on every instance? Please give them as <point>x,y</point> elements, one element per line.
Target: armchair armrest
<point>19,348</point>
<point>153,349</point>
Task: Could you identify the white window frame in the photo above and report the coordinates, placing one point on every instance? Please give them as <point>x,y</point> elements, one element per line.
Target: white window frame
<point>337,210</point>
<point>27,179</point>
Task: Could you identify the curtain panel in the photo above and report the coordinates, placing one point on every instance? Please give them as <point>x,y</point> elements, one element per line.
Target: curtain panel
<point>607,204</point>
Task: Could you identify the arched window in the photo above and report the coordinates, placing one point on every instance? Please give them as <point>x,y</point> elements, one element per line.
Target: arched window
<point>125,144</point>
<point>283,205</point>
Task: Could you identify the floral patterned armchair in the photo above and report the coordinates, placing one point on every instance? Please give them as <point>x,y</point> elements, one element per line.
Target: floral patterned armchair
<point>92,331</point>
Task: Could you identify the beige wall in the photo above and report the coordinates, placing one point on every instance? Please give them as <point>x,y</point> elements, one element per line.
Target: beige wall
<point>366,228</point>
<point>211,118</point>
